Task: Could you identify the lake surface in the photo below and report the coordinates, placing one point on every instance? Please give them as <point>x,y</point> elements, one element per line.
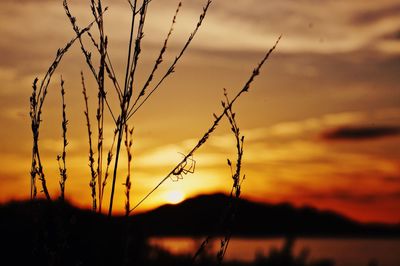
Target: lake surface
<point>345,252</point>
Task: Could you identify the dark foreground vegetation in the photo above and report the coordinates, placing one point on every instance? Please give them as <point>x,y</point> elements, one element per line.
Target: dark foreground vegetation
<point>43,233</point>
<point>56,233</point>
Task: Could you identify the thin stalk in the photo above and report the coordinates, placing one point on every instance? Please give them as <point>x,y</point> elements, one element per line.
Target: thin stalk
<point>62,158</point>
<point>98,14</point>
<point>130,46</point>
<point>115,168</point>
<point>93,173</point>
<point>138,42</point>
<point>106,174</point>
<point>228,221</point>
<point>128,183</point>
<point>121,119</point>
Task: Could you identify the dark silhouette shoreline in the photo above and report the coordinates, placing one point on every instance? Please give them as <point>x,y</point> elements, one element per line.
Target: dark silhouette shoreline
<point>56,233</point>
<point>200,216</point>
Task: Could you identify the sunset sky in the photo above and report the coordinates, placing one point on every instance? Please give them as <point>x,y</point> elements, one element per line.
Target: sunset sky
<point>321,122</point>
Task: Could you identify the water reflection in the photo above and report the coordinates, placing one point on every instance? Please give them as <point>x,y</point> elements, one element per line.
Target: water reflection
<point>345,252</point>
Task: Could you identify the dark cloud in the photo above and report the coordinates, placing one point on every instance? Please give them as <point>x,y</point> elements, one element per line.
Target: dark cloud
<point>360,133</point>
<point>395,36</point>
<point>376,15</point>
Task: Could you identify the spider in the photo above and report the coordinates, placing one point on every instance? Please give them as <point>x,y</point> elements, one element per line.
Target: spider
<point>184,168</point>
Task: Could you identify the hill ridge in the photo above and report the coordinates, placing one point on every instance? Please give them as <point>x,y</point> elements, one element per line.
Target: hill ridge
<point>200,215</point>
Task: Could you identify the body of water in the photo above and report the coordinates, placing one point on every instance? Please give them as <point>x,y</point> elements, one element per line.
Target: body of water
<point>345,252</point>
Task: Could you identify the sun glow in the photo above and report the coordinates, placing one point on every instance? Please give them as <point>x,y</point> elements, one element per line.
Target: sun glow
<point>174,196</point>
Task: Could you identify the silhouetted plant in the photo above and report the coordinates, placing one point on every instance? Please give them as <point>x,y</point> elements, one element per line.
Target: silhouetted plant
<point>37,99</point>
<point>225,226</point>
<point>128,105</point>
<point>62,157</point>
<point>128,146</point>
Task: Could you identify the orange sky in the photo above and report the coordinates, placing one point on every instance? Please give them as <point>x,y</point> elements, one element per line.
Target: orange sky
<point>322,121</point>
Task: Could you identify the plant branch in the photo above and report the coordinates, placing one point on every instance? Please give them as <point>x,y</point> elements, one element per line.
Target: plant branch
<point>171,69</point>
<point>214,125</point>
<point>62,158</point>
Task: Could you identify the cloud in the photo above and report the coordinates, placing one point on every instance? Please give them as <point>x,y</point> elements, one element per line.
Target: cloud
<point>393,36</point>
<point>334,27</point>
<point>360,133</point>
<point>307,127</point>
<point>376,15</point>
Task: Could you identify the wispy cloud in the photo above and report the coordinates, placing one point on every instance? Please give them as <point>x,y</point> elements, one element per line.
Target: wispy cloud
<point>308,27</point>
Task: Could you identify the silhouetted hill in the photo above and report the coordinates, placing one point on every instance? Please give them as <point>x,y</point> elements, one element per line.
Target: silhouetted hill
<point>201,216</point>
<point>56,233</point>
<point>196,216</point>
